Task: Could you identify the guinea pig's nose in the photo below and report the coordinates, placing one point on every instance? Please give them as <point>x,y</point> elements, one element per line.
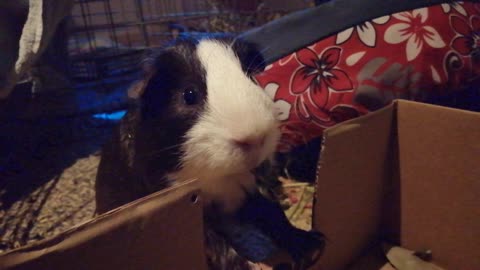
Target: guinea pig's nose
<point>248,143</point>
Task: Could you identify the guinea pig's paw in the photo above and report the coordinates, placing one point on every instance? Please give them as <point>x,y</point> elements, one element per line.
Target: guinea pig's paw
<point>317,248</point>
<point>307,246</point>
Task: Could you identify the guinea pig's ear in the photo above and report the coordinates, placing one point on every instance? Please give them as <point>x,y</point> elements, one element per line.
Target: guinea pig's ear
<point>135,91</point>
<point>251,58</point>
<point>148,67</point>
<point>160,75</point>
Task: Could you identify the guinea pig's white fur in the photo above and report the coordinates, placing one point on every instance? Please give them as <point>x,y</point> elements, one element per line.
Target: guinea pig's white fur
<point>236,110</point>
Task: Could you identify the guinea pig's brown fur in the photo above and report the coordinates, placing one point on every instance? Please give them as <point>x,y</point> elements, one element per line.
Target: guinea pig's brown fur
<point>199,114</point>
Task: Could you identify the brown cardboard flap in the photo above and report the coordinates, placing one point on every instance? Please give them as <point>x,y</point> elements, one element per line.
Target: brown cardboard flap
<point>440,183</point>
<point>354,164</point>
<point>161,231</point>
<point>408,173</point>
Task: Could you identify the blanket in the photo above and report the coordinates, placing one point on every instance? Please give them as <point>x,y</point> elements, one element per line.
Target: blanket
<point>420,54</point>
<point>40,25</point>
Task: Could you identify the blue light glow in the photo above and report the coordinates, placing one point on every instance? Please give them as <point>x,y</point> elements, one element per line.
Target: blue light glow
<point>110,116</point>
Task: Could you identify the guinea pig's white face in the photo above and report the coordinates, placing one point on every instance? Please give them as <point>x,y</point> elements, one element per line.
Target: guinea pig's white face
<point>237,129</point>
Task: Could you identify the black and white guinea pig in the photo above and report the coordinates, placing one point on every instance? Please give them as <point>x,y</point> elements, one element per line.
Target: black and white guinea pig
<point>200,115</point>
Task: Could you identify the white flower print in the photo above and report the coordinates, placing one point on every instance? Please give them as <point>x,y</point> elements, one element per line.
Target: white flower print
<point>286,59</point>
<point>455,5</point>
<point>354,58</point>
<point>282,107</point>
<point>414,31</point>
<point>435,76</point>
<point>366,32</point>
<point>271,90</point>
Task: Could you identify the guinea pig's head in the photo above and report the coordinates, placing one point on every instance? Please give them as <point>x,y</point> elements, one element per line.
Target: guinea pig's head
<point>203,102</point>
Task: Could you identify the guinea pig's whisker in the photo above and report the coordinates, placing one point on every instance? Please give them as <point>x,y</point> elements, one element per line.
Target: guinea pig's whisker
<point>260,53</point>
<point>233,42</point>
<point>160,151</point>
<point>266,49</point>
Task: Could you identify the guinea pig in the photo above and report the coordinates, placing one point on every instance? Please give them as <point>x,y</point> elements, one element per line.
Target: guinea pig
<point>199,114</point>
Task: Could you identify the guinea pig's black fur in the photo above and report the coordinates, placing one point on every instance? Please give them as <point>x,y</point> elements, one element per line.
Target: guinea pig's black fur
<point>146,145</point>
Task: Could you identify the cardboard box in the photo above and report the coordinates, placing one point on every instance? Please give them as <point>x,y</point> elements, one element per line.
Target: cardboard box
<point>161,231</point>
<point>408,173</point>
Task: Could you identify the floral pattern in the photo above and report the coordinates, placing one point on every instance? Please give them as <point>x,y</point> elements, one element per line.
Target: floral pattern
<point>457,6</point>
<point>282,108</point>
<point>365,67</point>
<point>415,31</point>
<point>312,82</point>
<point>366,32</point>
<point>468,40</point>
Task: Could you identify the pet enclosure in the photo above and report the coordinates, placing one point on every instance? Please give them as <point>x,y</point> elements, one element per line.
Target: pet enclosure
<point>52,129</point>
<point>108,37</point>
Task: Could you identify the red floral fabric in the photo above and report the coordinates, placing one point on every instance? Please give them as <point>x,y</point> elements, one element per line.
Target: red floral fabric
<point>404,55</point>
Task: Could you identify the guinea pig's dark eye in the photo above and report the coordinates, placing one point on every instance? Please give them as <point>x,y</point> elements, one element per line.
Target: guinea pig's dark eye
<point>190,96</point>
